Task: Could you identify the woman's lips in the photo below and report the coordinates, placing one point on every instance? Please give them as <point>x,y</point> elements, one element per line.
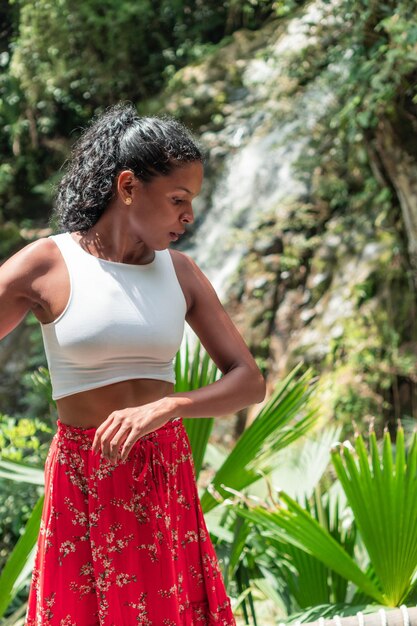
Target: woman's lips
<point>174,236</point>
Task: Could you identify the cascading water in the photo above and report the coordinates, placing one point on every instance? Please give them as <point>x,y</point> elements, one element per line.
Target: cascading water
<point>263,135</point>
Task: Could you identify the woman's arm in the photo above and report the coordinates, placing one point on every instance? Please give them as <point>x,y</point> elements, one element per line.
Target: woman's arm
<point>16,277</point>
<point>242,383</point>
<point>30,280</point>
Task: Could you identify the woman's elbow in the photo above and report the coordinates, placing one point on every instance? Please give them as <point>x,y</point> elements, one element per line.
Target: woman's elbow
<point>258,386</point>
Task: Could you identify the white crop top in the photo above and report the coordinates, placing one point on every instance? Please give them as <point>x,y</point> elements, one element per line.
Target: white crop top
<point>121,321</point>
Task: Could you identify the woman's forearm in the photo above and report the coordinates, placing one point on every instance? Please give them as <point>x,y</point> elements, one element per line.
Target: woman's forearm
<point>237,389</point>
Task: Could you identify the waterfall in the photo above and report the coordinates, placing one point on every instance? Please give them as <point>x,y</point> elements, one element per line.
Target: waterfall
<point>264,133</point>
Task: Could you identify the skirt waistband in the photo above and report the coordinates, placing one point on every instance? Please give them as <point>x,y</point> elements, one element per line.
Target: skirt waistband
<point>67,431</point>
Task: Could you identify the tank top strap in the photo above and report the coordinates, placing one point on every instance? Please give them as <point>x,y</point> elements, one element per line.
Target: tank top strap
<point>65,246</point>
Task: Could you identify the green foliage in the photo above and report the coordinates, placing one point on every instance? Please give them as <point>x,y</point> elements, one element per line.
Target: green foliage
<point>329,611</point>
<point>10,238</point>
<point>289,413</point>
<point>33,394</point>
<point>64,61</point>
<point>37,397</point>
<point>13,574</point>
<point>372,342</point>
<point>24,439</point>
<point>380,487</point>
<point>65,54</point>
<point>387,33</point>
<point>379,39</point>
<point>298,527</point>
<point>382,492</point>
<point>309,580</point>
<point>25,442</point>
<point>193,372</point>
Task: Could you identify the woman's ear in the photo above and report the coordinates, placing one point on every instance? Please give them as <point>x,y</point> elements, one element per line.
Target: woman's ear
<point>126,182</point>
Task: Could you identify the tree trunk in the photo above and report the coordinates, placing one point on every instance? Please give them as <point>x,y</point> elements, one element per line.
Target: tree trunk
<point>401,169</point>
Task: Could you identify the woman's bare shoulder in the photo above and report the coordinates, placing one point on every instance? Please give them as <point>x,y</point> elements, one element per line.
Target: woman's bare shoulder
<point>34,259</point>
<point>185,263</point>
<point>23,277</point>
<point>194,282</point>
<point>187,270</point>
<point>181,260</point>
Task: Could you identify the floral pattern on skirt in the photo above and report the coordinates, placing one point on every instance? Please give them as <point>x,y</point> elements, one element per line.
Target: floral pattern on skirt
<point>124,544</point>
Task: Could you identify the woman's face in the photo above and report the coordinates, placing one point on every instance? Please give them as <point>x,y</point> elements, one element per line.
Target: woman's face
<point>161,208</point>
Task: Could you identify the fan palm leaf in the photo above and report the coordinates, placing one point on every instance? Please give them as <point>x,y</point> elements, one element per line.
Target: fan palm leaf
<point>297,526</point>
<point>192,372</point>
<point>381,489</point>
<point>382,492</point>
<point>288,414</point>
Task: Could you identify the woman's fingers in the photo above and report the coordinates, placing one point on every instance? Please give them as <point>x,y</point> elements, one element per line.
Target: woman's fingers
<point>128,445</point>
<point>104,438</point>
<point>99,432</point>
<point>117,442</point>
<point>122,429</point>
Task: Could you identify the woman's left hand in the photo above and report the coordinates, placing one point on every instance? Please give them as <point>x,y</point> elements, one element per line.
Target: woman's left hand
<point>124,427</point>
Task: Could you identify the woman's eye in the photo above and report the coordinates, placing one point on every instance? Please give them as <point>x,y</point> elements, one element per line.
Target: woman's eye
<point>177,200</point>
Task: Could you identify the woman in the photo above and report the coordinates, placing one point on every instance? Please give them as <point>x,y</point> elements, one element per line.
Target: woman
<point>123,540</point>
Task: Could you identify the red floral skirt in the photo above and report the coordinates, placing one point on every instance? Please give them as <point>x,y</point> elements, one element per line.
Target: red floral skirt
<point>124,544</point>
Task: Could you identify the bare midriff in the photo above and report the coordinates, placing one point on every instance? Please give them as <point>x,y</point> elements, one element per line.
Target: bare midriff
<point>91,408</point>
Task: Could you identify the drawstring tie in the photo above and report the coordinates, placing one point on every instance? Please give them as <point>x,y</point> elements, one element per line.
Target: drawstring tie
<point>151,455</point>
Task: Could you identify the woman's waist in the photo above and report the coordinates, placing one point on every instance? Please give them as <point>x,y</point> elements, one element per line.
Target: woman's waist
<point>70,436</point>
<point>89,409</point>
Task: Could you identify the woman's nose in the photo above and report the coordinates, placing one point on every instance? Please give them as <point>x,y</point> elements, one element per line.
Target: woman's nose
<point>188,218</point>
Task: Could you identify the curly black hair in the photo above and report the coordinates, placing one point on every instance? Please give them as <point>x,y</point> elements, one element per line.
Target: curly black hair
<point>115,140</point>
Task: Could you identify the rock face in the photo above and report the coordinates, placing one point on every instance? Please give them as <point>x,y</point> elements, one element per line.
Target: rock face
<point>304,274</point>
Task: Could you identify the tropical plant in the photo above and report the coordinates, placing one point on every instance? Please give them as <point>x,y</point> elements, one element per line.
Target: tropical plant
<point>193,372</point>
<point>381,490</point>
<point>18,565</point>
<point>288,414</point>
<point>261,568</point>
<point>27,475</point>
<point>309,581</point>
<point>382,493</point>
